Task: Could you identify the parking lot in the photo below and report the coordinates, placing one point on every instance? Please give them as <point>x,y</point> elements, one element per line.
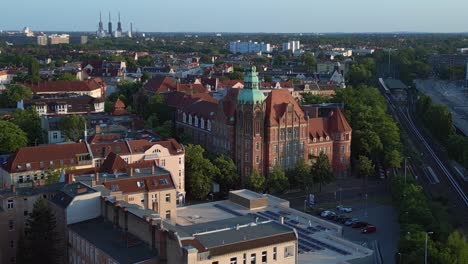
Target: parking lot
<point>382,216</point>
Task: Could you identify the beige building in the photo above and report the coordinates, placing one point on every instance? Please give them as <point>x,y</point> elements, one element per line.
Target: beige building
<point>95,87</point>
<point>15,206</point>
<point>42,40</point>
<point>59,39</point>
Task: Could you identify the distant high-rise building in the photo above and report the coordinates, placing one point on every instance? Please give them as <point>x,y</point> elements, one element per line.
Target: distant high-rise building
<point>59,39</point>
<point>83,40</point>
<point>118,33</point>
<point>131,30</point>
<point>292,46</point>
<point>101,32</point>
<point>249,47</point>
<point>109,26</point>
<point>42,40</point>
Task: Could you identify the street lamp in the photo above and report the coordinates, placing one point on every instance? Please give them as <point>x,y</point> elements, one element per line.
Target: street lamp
<point>400,257</point>
<point>425,250</point>
<point>405,167</point>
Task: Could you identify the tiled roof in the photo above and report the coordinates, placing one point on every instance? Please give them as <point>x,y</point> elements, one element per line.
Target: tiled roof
<point>140,184</point>
<point>230,101</point>
<point>318,127</point>
<point>66,86</point>
<point>191,88</point>
<point>204,109</point>
<point>276,105</point>
<point>114,163</point>
<point>181,99</point>
<point>161,84</point>
<point>337,122</point>
<point>101,150</point>
<point>140,145</point>
<point>172,145</point>
<point>30,158</point>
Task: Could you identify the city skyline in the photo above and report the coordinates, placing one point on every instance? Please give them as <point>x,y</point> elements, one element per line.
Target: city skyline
<point>243,16</point>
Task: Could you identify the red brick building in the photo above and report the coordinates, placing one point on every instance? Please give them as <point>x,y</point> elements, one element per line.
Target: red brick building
<point>259,131</point>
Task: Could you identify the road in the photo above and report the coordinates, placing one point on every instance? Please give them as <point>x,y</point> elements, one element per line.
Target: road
<point>451,186</point>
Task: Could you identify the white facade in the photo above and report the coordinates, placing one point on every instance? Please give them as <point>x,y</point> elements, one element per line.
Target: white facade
<point>84,207</point>
<point>249,47</point>
<point>292,46</point>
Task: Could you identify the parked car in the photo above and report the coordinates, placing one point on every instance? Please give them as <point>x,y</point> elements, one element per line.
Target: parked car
<point>351,222</point>
<point>342,218</point>
<point>343,209</point>
<point>359,224</point>
<point>331,215</point>
<point>369,229</point>
<point>326,213</point>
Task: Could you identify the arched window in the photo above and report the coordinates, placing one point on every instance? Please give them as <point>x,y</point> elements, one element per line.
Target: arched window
<point>209,125</point>
<point>190,119</point>
<point>196,121</point>
<point>184,118</point>
<point>202,123</point>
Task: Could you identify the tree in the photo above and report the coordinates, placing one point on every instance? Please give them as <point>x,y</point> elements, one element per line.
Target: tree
<point>365,166</point>
<point>65,77</point>
<point>17,92</point>
<point>303,176</point>
<point>166,130</point>
<point>279,60</point>
<point>321,170</point>
<point>199,171</point>
<point>41,241</point>
<point>30,122</point>
<point>309,60</point>
<point>277,182</point>
<point>72,126</point>
<point>228,178</point>
<point>393,158</point>
<point>309,98</point>
<point>236,75</point>
<point>256,182</point>
<point>33,71</point>
<point>12,137</point>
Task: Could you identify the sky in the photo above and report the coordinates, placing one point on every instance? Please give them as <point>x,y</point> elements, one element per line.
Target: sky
<point>270,16</point>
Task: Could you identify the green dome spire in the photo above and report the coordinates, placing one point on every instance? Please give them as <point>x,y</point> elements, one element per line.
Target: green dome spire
<point>251,93</point>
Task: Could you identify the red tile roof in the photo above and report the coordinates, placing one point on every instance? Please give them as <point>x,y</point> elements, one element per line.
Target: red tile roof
<point>140,145</point>
<point>114,163</point>
<point>204,109</point>
<point>277,103</point>
<point>230,101</point>
<point>318,127</point>
<point>58,153</point>
<point>337,122</point>
<point>141,184</point>
<point>101,150</point>
<point>179,99</point>
<point>66,86</point>
<point>191,88</point>
<point>161,84</point>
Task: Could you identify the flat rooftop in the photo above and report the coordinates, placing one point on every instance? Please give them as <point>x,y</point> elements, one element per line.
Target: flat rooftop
<point>319,240</point>
<point>110,240</point>
<point>395,84</point>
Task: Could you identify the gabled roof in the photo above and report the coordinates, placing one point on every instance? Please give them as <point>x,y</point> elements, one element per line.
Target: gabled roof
<point>277,103</point>
<point>30,158</point>
<point>191,88</point>
<point>101,150</point>
<point>141,184</point>
<point>337,122</point>
<point>114,163</point>
<point>140,145</point>
<point>161,84</point>
<point>204,109</point>
<point>66,86</point>
<point>318,127</point>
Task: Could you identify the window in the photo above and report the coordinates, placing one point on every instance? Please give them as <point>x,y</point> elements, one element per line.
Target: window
<point>196,121</point>
<point>341,149</point>
<point>163,163</point>
<point>257,145</point>
<point>209,125</point>
<point>28,165</point>
<point>190,119</point>
<point>342,159</point>
<point>11,224</point>
<point>253,259</point>
<point>180,160</point>
<point>244,259</point>
<point>21,179</point>
<point>168,197</point>
<point>168,214</point>
<point>274,253</point>
<point>180,173</point>
<point>257,159</point>
<point>264,257</point>
<point>10,204</point>
<point>275,148</point>
<point>233,261</point>
<point>26,213</point>
<point>202,123</point>
<point>289,251</point>
<point>184,118</point>
<point>142,199</point>
<point>12,243</point>
<point>215,262</point>
<point>55,135</point>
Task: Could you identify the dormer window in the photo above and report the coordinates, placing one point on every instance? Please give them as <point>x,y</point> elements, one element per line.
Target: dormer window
<point>28,165</point>
<point>328,138</point>
<point>196,121</point>
<point>321,139</point>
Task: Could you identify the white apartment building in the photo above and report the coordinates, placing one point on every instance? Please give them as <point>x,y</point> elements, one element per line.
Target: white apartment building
<point>249,47</point>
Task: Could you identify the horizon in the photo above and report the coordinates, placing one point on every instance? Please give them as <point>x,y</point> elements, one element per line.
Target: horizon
<point>211,16</point>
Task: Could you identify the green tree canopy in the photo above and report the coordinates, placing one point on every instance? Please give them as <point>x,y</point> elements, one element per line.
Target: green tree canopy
<point>65,77</point>
<point>277,180</point>
<point>72,126</point>
<point>41,242</point>
<point>321,170</point>
<point>365,166</point>
<point>17,92</point>
<point>199,171</point>
<point>11,137</point>
<point>309,60</point>
<point>228,178</point>
<point>30,122</point>
<point>256,182</point>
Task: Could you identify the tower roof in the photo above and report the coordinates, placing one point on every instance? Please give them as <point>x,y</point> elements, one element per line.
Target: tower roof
<point>251,94</point>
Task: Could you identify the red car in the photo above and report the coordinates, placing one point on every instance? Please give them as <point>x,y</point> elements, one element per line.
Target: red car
<point>369,229</point>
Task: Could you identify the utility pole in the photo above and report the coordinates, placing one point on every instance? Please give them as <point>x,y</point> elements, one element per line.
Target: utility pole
<point>425,250</point>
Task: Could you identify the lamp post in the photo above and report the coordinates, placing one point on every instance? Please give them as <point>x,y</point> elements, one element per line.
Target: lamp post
<point>400,257</point>
<point>425,248</point>
<point>406,158</point>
